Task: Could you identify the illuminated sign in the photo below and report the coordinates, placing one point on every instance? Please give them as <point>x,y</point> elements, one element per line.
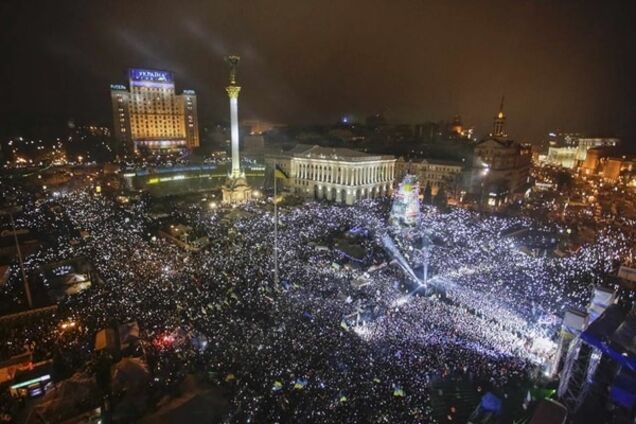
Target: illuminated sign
<point>150,75</point>
<point>117,87</point>
<point>188,92</point>
<point>46,377</point>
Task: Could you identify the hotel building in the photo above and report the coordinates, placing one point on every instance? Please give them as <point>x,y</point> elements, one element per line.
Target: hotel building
<point>150,115</point>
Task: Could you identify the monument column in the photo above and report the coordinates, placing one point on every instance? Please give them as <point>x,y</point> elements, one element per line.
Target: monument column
<point>236,189</point>
<point>233,93</point>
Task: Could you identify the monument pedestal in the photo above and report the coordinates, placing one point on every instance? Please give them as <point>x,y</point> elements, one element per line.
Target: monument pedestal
<point>236,190</point>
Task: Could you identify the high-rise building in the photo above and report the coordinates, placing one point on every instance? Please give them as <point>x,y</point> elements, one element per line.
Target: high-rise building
<point>150,115</point>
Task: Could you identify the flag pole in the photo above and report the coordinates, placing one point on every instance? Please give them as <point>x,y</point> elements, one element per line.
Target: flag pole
<point>275,232</point>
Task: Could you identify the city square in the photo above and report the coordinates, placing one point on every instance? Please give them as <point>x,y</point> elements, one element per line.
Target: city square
<point>299,212</point>
<point>288,351</point>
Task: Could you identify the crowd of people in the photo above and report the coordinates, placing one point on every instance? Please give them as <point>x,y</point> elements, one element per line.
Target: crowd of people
<point>290,350</point>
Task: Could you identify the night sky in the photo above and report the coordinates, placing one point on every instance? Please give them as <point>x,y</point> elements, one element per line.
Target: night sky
<point>562,65</point>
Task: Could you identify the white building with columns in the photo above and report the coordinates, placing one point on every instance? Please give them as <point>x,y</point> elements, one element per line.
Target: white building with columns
<point>337,174</point>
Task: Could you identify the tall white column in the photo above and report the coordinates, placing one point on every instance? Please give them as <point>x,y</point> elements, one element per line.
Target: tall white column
<point>236,165</point>
<point>233,93</point>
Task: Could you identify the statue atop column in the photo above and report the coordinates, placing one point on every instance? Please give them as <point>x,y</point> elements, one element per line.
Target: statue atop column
<point>232,63</point>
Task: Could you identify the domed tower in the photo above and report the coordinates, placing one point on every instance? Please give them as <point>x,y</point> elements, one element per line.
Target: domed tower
<point>499,122</point>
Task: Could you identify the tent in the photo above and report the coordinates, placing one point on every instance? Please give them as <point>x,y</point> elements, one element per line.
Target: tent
<point>623,389</point>
<point>106,339</point>
<point>69,397</point>
<point>198,404</point>
<point>128,333</point>
<point>491,403</point>
<point>549,412</point>
<point>130,373</point>
<point>614,334</point>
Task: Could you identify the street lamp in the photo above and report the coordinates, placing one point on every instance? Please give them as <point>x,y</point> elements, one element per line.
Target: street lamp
<point>9,211</point>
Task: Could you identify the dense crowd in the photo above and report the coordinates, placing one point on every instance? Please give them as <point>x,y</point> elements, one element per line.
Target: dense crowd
<point>332,341</point>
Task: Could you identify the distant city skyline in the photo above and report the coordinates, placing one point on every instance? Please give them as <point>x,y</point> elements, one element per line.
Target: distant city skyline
<point>561,66</point>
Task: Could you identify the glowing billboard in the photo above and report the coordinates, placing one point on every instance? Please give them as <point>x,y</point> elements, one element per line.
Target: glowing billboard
<point>150,77</point>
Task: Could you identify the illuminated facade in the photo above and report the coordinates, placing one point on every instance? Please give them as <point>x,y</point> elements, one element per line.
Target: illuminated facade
<point>150,115</point>
<point>565,157</point>
<point>434,173</point>
<point>575,153</point>
<point>336,174</point>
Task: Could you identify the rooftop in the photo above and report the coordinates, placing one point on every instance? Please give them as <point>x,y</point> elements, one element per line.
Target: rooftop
<point>337,153</point>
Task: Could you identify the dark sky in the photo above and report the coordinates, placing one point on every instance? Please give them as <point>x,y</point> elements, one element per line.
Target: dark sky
<point>561,64</point>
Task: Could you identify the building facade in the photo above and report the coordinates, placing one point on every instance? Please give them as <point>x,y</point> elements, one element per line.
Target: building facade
<point>336,174</point>
<point>572,150</point>
<point>565,157</point>
<point>501,167</point>
<point>150,115</point>
<point>587,143</point>
<point>435,173</point>
<point>610,163</point>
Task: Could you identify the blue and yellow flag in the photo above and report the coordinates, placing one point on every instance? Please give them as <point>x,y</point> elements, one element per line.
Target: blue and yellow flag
<point>279,173</point>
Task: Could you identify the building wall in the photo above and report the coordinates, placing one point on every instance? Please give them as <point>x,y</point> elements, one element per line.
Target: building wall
<point>154,116</point>
<point>156,113</point>
<point>342,181</point>
<point>503,164</point>
<point>120,99</point>
<point>593,160</point>
<point>190,121</point>
<point>566,157</point>
<point>612,169</point>
<point>585,144</point>
<point>429,172</point>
